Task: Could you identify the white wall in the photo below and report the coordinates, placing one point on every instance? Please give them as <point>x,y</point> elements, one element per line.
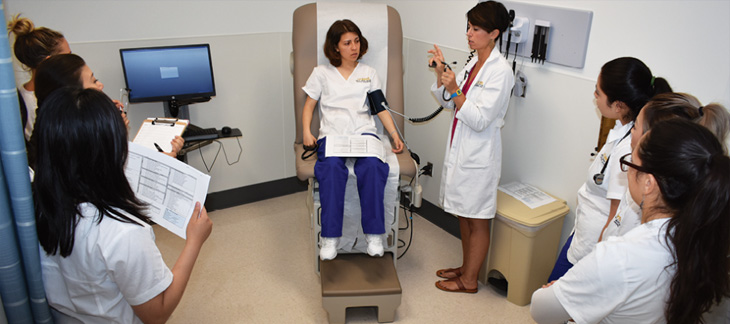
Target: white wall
<point>548,135</point>
<point>250,46</point>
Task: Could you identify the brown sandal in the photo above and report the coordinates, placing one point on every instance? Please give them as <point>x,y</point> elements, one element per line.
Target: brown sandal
<point>459,284</point>
<point>442,273</point>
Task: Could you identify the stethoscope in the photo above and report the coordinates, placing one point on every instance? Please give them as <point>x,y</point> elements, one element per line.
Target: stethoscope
<point>598,177</point>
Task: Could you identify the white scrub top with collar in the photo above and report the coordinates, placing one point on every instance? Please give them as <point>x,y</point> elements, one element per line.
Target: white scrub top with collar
<point>624,280</point>
<point>113,266</point>
<point>473,160</point>
<point>343,108</point>
<point>593,205</point>
<point>628,217</point>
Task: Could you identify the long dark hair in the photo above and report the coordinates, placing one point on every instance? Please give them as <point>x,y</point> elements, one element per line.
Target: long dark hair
<point>630,81</point>
<point>62,70</point>
<point>693,174</point>
<point>334,33</point>
<point>82,149</point>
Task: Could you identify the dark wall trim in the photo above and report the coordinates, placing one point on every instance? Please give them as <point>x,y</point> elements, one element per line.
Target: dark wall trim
<point>253,193</point>
<point>440,218</point>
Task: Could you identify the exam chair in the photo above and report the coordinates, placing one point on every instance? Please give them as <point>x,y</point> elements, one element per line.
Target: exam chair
<point>344,282</point>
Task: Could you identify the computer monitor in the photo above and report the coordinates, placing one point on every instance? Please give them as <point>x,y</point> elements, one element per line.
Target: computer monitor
<point>180,74</point>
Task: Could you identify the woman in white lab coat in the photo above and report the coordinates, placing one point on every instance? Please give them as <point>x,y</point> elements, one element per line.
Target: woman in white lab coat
<point>479,95</point>
<point>673,267</point>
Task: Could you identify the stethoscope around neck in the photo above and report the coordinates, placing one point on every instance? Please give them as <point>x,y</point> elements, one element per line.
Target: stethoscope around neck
<point>598,177</point>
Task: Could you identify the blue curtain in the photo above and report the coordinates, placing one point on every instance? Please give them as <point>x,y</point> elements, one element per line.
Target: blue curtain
<point>21,283</point>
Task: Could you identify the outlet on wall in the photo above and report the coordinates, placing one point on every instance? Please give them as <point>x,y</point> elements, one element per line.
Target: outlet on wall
<point>427,169</point>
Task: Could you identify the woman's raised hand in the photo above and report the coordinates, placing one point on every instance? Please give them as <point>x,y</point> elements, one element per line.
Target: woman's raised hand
<point>437,59</point>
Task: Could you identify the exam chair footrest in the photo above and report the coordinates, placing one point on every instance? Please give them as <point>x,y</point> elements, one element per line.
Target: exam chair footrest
<point>358,280</point>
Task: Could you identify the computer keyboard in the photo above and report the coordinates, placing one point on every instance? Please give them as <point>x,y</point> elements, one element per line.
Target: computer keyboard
<point>193,133</point>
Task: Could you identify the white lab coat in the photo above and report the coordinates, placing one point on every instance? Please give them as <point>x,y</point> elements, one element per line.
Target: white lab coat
<point>473,161</point>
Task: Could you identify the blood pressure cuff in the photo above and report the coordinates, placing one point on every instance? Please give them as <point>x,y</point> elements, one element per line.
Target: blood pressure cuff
<point>376,100</point>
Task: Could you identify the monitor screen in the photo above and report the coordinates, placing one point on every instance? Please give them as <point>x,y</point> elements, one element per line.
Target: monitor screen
<point>168,73</point>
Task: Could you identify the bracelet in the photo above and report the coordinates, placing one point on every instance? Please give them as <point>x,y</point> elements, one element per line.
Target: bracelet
<point>456,94</point>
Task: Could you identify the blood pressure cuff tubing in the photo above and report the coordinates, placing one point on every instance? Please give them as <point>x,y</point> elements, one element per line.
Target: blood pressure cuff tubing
<point>376,99</point>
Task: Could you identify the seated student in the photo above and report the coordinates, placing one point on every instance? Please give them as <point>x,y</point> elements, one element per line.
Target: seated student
<point>341,89</point>
<point>101,264</point>
<point>674,267</point>
<point>64,70</point>
<point>32,46</point>
<point>663,107</point>
<point>624,86</point>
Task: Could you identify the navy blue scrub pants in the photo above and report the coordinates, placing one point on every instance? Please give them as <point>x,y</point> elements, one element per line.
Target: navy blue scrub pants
<point>562,265</point>
<point>331,173</point>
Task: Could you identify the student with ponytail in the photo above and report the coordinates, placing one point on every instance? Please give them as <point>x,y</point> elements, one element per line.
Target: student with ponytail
<point>674,267</point>
<point>660,108</point>
<point>623,87</point>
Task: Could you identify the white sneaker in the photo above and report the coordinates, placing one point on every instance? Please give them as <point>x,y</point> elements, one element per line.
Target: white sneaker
<point>375,245</point>
<point>328,248</point>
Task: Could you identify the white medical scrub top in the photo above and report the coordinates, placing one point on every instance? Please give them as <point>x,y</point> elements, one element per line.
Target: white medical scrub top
<point>343,107</point>
<point>113,265</point>
<point>624,280</point>
<point>628,217</point>
<point>594,205</point>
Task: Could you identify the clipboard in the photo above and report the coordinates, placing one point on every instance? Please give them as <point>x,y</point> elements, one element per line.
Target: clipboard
<point>160,131</point>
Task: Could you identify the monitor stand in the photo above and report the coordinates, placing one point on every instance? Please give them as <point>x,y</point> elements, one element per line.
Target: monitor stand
<point>174,109</point>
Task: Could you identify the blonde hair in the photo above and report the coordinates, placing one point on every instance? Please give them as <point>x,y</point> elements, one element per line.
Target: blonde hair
<point>683,105</point>
<point>717,119</point>
<point>33,45</point>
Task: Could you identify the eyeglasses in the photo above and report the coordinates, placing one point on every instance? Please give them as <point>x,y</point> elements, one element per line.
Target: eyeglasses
<point>625,162</point>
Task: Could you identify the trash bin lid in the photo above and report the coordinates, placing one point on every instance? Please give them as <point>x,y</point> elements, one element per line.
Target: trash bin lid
<point>514,210</point>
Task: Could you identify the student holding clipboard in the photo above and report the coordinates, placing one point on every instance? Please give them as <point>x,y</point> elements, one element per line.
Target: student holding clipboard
<point>99,259</point>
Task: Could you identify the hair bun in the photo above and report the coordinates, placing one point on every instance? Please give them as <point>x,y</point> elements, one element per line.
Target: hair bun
<point>20,26</point>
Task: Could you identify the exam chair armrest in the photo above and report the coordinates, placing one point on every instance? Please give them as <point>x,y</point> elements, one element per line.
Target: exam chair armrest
<point>304,168</point>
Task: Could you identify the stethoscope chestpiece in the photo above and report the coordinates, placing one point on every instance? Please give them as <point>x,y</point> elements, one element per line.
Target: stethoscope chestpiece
<point>598,178</point>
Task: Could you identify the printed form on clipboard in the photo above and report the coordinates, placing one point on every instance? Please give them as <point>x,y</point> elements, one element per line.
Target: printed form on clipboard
<point>169,187</point>
<point>354,146</point>
<point>160,131</point>
<point>527,194</point>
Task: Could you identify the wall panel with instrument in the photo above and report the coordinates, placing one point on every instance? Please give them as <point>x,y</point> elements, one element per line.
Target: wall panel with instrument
<point>561,36</point>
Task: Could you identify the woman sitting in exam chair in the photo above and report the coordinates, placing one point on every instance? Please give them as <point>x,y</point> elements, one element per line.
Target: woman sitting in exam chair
<point>99,260</point>
<point>341,89</point>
